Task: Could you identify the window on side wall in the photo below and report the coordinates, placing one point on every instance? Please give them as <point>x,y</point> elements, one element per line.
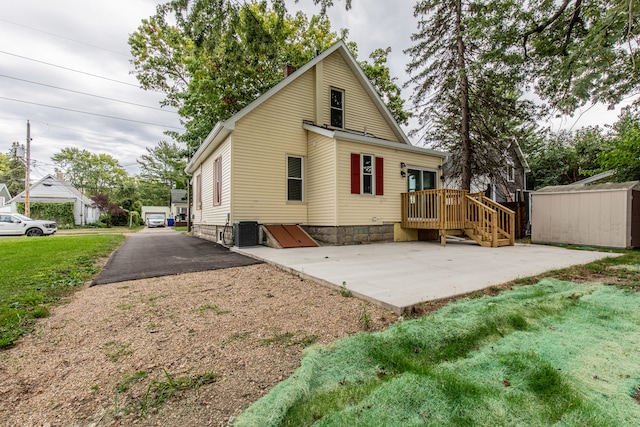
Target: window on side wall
<point>217,181</point>
<point>198,192</point>
<point>337,108</point>
<point>295,182</point>
<point>367,174</point>
<point>511,172</point>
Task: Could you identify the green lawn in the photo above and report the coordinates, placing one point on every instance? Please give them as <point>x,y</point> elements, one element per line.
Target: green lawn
<point>97,230</point>
<point>36,272</point>
<point>556,352</point>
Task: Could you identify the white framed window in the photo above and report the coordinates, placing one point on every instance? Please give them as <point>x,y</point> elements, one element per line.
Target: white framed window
<point>217,181</point>
<point>337,108</point>
<point>511,172</point>
<point>367,176</point>
<point>198,192</point>
<point>295,181</point>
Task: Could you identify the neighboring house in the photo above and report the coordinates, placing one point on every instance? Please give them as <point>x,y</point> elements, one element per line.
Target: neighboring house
<point>51,189</point>
<point>509,186</point>
<point>5,196</point>
<point>179,205</point>
<point>320,150</point>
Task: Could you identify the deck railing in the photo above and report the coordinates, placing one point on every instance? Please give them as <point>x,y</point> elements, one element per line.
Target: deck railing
<point>433,209</point>
<point>447,209</point>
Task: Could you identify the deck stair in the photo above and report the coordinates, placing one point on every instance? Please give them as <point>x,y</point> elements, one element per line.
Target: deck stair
<point>457,212</point>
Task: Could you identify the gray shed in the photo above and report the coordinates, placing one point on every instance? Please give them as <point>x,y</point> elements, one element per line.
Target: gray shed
<point>606,215</point>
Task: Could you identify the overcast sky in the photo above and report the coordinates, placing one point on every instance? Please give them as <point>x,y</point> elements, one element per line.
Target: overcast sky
<point>40,37</point>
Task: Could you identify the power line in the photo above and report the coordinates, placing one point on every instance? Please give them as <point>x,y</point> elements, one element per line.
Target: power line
<point>87,94</point>
<point>68,69</point>
<point>91,114</point>
<point>63,37</point>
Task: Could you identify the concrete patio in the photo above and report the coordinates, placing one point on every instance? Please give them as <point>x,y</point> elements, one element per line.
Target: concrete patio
<point>400,275</point>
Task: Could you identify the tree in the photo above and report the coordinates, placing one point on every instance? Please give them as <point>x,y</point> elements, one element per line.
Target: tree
<point>4,165</point>
<point>565,157</point>
<point>165,163</point>
<point>581,50</point>
<point>13,170</point>
<point>88,172</point>
<point>213,57</point>
<point>468,102</point>
<point>621,153</point>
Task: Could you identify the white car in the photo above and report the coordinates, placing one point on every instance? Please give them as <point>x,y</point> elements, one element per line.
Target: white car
<point>17,225</point>
<point>155,220</point>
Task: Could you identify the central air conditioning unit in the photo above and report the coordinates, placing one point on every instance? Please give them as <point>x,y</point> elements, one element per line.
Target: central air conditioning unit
<point>246,233</point>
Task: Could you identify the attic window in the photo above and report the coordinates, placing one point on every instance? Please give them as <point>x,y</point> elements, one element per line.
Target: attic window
<point>337,108</point>
<point>511,172</point>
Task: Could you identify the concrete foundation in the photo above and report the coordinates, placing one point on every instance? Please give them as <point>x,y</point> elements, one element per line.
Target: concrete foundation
<point>214,233</point>
<point>351,234</point>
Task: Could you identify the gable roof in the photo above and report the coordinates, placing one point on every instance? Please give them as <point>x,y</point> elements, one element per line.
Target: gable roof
<point>4,189</point>
<point>222,129</point>
<point>178,196</point>
<point>63,183</point>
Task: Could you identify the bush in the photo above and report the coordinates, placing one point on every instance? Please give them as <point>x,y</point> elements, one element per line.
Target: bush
<point>61,213</point>
<point>136,218</point>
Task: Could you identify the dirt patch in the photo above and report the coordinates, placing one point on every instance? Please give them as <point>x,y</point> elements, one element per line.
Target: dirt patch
<point>206,344</point>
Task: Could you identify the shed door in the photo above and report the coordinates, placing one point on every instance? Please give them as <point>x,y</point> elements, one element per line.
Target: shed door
<point>635,219</point>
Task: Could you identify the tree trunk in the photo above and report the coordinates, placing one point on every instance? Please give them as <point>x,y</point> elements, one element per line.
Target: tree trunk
<point>464,103</point>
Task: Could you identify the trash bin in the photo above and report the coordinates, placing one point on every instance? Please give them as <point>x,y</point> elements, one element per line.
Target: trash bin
<point>170,222</point>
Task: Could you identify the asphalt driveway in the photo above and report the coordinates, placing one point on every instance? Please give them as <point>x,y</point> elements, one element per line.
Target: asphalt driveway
<point>156,252</point>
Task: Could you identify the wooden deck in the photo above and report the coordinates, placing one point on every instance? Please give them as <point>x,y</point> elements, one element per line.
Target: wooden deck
<point>459,212</point>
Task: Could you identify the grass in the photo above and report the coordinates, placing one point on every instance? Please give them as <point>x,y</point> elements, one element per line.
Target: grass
<point>96,230</point>
<point>212,307</point>
<point>289,339</point>
<point>141,394</point>
<point>36,273</point>
<point>559,350</point>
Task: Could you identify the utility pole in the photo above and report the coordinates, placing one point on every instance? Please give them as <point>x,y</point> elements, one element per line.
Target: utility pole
<point>27,210</point>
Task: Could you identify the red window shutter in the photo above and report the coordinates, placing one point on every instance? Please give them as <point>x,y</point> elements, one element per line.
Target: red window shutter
<point>355,173</point>
<point>379,176</point>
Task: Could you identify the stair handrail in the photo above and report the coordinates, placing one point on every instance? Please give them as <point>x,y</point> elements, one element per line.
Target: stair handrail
<point>484,221</point>
<point>506,217</point>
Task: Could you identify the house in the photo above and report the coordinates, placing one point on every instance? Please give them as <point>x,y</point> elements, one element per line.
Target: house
<point>179,205</point>
<point>509,185</point>
<point>5,196</point>
<point>51,189</point>
<point>319,150</point>
<point>606,215</point>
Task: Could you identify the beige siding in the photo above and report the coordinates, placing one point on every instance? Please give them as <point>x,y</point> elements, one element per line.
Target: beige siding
<point>356,209</point>
<point>211,214</point>
<point>321,180</point>
<point>598,218</point>
<point>360,112</point>
<point>262,141</point>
